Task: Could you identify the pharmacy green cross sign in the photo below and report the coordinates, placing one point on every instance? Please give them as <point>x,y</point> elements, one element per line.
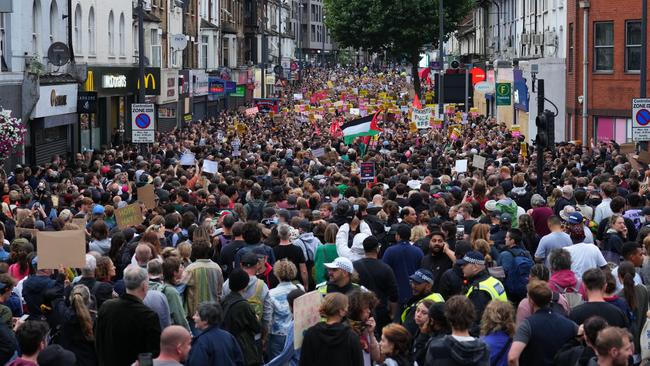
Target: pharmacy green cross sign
<point>503,93</point>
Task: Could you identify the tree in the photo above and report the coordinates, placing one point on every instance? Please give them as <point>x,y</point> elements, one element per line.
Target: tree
<point>400,27</point>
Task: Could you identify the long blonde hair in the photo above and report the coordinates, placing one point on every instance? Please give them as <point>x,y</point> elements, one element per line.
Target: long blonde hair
<point>498,315</point>
<point>80,300</point>
<point>480,231</point>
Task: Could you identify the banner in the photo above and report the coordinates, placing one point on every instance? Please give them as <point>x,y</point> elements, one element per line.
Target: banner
<point>422,117</point>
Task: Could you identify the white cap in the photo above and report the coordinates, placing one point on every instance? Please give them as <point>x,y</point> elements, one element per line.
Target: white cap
<point>341,263</point>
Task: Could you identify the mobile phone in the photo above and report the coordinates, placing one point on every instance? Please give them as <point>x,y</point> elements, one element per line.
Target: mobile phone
<point>24,317</point>
<point>145,359</point>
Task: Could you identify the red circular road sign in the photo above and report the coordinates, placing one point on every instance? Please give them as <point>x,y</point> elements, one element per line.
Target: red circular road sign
<point>478,75</point>
<point>142,120</point>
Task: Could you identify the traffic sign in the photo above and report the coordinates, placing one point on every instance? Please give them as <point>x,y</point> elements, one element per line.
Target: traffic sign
<point>503,94</point>
<point>641,119</point>
<point>143,127</point>
<point>294,66</point>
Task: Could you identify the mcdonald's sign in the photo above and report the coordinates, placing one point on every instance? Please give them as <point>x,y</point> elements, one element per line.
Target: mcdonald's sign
<point>124,80</point>
<point>149,81</point>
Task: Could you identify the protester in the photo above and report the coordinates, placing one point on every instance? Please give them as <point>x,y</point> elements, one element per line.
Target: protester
<point>213,345</point>
<point>175,345</point>
<point>497,330</point>
<point>31,337</point>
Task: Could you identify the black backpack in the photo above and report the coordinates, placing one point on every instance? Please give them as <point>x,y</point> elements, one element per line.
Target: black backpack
<point>256,210</point>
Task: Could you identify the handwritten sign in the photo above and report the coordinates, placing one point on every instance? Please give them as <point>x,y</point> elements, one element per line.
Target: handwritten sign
<point>130,215</point>
<point>210,166</point>
<point>461,166</point>
<point>478,162</point>
<point>61,248</point>
<point>318,152</point>
<point>187,159</point>
<point>422,117</point>
<point>147,196</point>
<point>251,112</point>
<point>305,315</point>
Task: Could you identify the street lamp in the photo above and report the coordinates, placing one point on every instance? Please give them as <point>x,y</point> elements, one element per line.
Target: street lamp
<point>323,35</point>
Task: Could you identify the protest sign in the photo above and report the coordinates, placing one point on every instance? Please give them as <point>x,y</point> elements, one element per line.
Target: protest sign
<point>628,148</point>
<point>318,152</point>
<point>130,215</point>
<point>65,248</point>
<point>187,159</point>
<point>251,112</point>
<point>367,172</point>
<point>355,111</point>
<point>644,157</point>
<point>210,166</point>
<point>81,222</point>
<point>147,197</point>
<point>421,117</point>
<point>478,162</point>
<point>461,166</point>
<point>305,315</point>
<point>297,96</point>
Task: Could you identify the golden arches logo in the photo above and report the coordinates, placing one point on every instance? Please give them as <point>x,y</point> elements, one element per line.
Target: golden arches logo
<point>89,85</point>
<point>147,78</point>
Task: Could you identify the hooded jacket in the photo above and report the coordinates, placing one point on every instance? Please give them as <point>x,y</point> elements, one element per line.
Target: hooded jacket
<point>352,247</point>
<point>308,243</point>
<point>334,344</point>
<point>563,281</point>
<point>448,351</point>
<point>240,321</point>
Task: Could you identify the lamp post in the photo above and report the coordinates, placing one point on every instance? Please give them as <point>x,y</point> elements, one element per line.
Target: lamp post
<point>441,90</point>
<point>323,35</point>
<point>141,89</point>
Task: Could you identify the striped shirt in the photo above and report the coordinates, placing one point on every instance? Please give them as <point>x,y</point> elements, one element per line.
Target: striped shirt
<point>204,283</point>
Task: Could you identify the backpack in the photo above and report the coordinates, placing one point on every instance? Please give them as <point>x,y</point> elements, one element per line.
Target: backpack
<point>573,298</point>
<point>256,301</point>
<point>517,276</point>
<point>555,305</point>
<point>255,210</point>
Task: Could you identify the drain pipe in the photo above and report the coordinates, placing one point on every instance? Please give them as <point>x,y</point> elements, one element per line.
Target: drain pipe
<point>584,5</point>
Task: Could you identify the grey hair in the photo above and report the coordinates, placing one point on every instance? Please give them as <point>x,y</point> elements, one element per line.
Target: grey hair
<point>210,312</point>
<point>134,276</point>
<point>154,267</point>
<point>284,232</point>
<point>91,264</point>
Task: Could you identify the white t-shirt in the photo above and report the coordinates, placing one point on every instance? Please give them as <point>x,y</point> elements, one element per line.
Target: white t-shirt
<point>585,256</point>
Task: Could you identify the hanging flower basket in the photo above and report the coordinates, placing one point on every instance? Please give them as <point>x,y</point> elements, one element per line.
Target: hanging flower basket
<point>12,135</point>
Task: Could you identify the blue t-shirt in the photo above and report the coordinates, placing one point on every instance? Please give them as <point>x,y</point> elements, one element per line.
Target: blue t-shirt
<point>404,259</point>
<point>552,241</point>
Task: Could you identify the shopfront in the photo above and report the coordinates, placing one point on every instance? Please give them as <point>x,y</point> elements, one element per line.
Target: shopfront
<point>117,89</point>
<point>216,95</point>
<point>199,93</point>
<point>51,122</point>
<point>167,102</point>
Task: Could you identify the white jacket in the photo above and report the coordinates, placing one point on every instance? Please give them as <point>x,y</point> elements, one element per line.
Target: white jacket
<point>356,252</point>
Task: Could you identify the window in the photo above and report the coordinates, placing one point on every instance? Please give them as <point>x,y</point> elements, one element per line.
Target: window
<point>156,49</point>
<point>570,55</point>
<point>633,45</point>
<point>604,46</point>
<point>3,39</point>
<point>121,36</point>
<point>36,26</point>
<point>313,33</point>
<point>111,34</point>
<point>77,30</point>
<point>203,61</point>
<point>91,31</point>
<point>224,52</point>
<point>54,22</point>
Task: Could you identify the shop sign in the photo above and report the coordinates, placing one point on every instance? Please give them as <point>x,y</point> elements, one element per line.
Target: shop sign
<point>55,100</point>
<point>113,80</point>
<point>240,91</point>
<point>87,102</point>
<point>231,86</point>
<point>199,82</point>
<point>216,86</point>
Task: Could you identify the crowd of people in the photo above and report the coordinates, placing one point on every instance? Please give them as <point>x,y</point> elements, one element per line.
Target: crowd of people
<point>422,264</point>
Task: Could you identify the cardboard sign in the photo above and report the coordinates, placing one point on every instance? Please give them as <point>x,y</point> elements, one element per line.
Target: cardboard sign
<point>20,230</point>
<point>478,162</point>
<point>628,148</point>
<point>644,157</point>
<point>61,248</point>
<point>461,166</point>
<point>210,166</point>
<point>81,222</point>
<point>251,112</point>
<point>305,315</point>
<point>367,172</point>
<point>147,196</point>
<point>187,159</point>
<point>130,215</point>
<point>297,96</point>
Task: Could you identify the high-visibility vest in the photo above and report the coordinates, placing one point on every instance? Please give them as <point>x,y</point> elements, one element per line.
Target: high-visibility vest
<point>492,286</point>
<point>435,297</point>
<point>322,288</point>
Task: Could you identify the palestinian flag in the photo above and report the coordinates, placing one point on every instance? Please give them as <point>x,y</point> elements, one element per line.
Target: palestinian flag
<point>366,126</point>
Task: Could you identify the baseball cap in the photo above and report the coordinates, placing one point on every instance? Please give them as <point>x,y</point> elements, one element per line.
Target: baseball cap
<point>341,263</point>
<point>505,218</point>
<point>422,276</point>
<point>56,355</point>
<point>98,210</point>
<point>574,218</point>
<point>249,259</point>
<point>472,257</point>
<point>491,205</point>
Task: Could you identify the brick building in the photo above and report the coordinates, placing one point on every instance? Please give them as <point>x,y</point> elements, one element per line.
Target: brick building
<point>613,55</point>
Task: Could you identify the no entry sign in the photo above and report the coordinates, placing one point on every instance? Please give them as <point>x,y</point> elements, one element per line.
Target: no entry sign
<point>143,126</point>
<point>641,119</point>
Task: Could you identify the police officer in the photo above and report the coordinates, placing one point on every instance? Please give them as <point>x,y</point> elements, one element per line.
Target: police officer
<point>338,273</point>
<point>481,287</point>
<point>421,286</point>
